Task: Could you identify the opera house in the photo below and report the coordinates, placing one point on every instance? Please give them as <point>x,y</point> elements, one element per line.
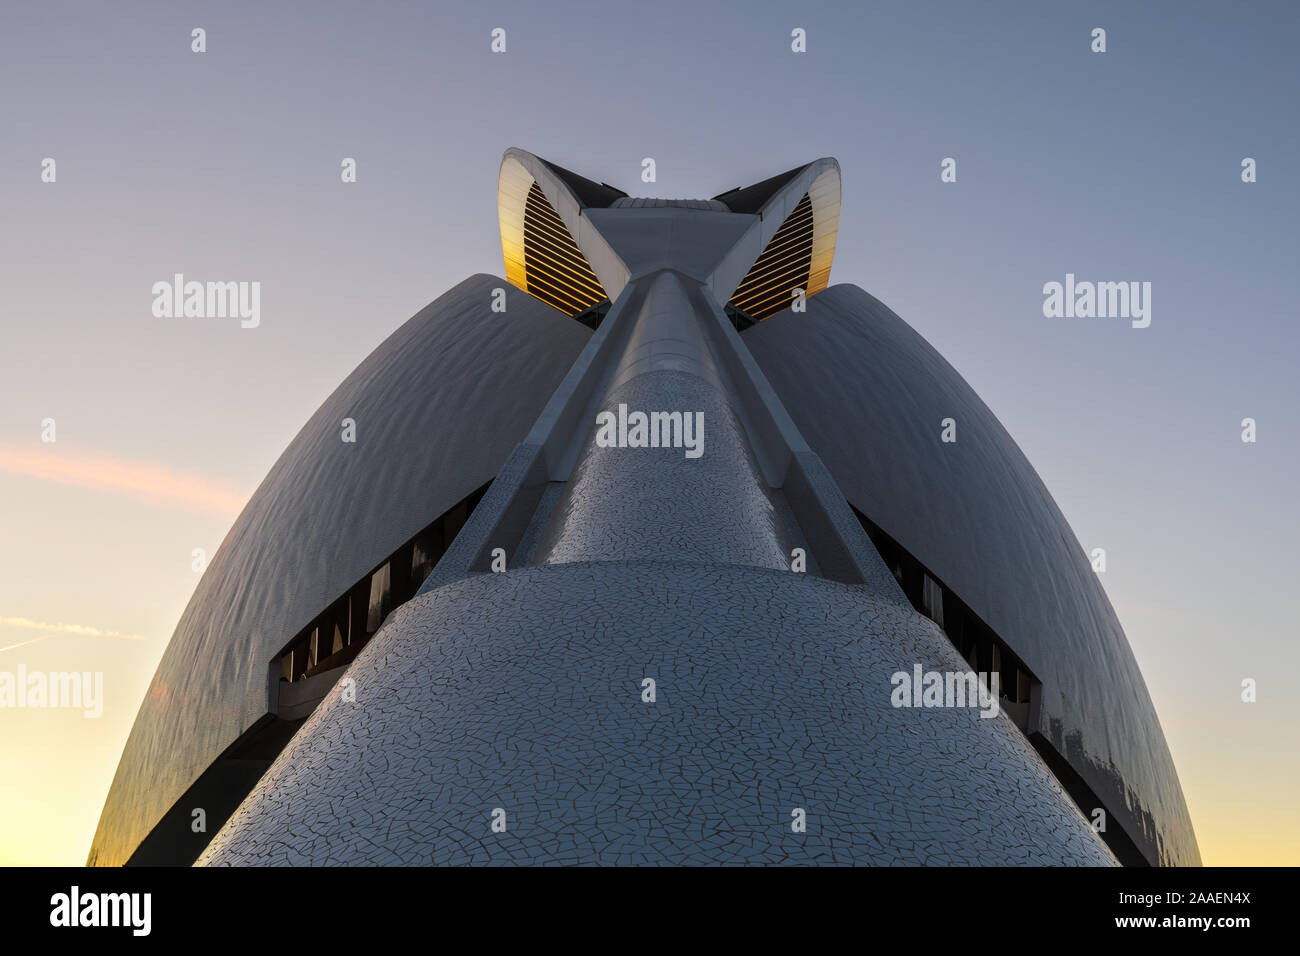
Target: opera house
<point>505,620</point>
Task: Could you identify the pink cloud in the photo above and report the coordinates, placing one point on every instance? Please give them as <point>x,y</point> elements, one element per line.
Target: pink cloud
<point>144,480</point>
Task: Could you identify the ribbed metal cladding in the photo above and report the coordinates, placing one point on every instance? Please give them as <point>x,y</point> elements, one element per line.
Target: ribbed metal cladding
<point>799,255</point>
<point>541,256</point>
<point>785,264</point>
<point>557,271</point>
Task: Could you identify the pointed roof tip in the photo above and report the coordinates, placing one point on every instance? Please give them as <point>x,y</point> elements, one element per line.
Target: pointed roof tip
<point>588,192</point>
<point>593,194</point>
<point>750,199</point>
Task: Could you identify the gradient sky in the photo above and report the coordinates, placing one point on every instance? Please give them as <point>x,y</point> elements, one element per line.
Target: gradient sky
<point>225,165</point>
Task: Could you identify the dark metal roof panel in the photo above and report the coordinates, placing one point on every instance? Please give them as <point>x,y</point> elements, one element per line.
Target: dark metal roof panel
<point>589,193</point>
<point>750,199</point>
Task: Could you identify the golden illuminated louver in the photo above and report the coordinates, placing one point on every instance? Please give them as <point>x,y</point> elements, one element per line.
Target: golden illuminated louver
<point>541,256</point>
<point>798,256</point>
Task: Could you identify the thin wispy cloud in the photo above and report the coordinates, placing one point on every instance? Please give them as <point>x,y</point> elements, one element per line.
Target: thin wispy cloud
<point>78,630</point>
<point>34,640</point>
<point>144,480</point>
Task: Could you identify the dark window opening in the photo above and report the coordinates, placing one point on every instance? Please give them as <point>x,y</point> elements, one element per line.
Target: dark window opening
<point>595,315</point>
<point>381,599</point>
<point>339,632</point>
<point>983,650</point>
<point>739,320</point>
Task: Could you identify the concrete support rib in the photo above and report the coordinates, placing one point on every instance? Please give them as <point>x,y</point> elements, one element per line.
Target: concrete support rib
<point>667,336</point>
<point>671,475</point>
<point>756,493</point>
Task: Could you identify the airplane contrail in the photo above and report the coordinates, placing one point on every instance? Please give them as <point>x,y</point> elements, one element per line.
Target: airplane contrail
<point>23,643</point>
<point>80,630</point>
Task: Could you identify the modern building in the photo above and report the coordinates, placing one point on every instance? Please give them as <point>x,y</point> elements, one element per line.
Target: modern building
<point>629,562</point>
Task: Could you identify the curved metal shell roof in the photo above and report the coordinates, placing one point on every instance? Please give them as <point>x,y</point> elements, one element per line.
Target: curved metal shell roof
<point>868,394</point>
<point>438,406</point>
